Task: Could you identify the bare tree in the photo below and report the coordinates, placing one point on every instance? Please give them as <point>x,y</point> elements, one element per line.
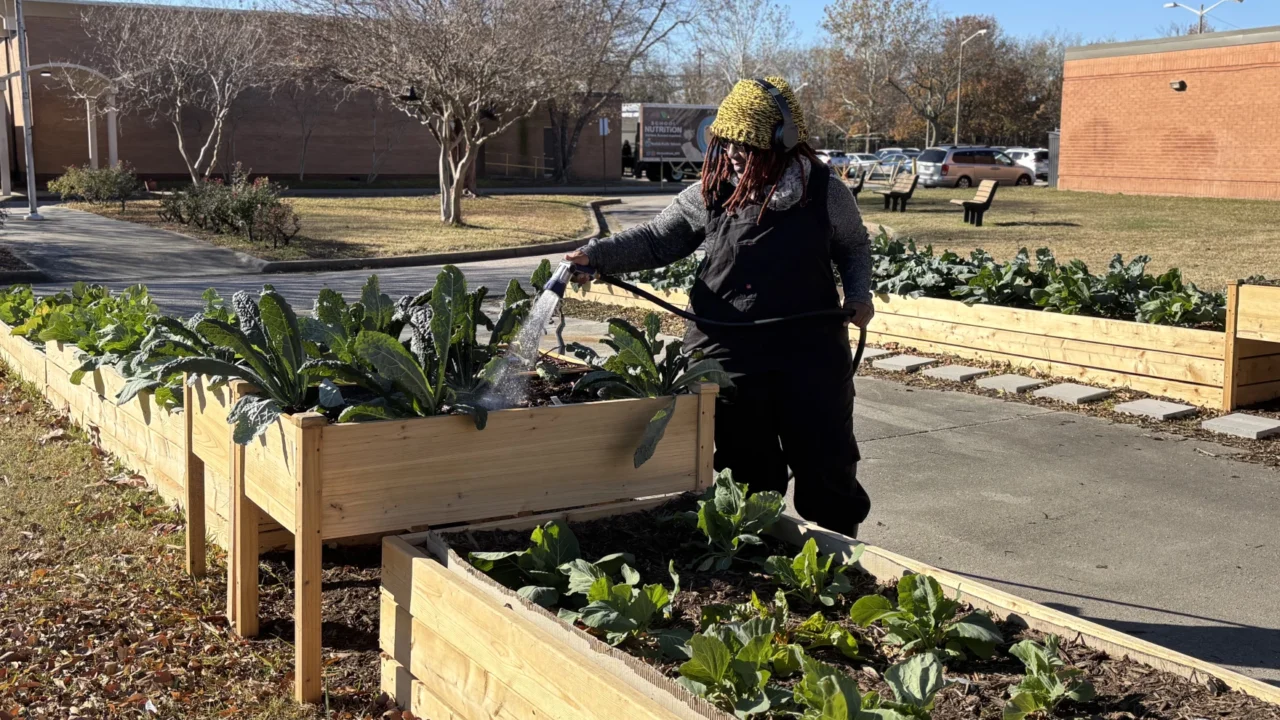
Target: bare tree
<point>467,69</point>
<point>744,39</point>
<point>307,95</point>
<point>171,64</point>
<point>609,39</point>
<point>385,135</point>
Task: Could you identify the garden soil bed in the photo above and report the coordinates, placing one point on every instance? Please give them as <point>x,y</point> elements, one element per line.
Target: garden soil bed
<point>1127,689</point>
<point>11,262</point>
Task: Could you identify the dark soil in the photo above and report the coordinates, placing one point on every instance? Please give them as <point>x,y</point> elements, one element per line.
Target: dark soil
<point>1126,690</point>
<point>9,261</point>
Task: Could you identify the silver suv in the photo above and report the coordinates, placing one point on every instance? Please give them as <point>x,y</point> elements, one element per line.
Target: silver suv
<point>967,166</point>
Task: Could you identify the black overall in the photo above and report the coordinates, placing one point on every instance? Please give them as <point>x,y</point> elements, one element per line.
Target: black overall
<point>792,403</point>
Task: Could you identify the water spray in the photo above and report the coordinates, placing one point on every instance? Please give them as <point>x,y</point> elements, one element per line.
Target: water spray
<point>564,274</point>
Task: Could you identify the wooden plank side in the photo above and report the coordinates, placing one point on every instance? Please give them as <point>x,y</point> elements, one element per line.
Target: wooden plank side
<point>1145,336</point>
<point>1202,395</point>
<point>392,475</point>
<point>536,666</point>
<point>1258,369</point>
<point>210,434</point>
<point>1100,356</point>
<point>465,684</point>
<point>1257,393</point>
<point>1258,313</point>
<point>887,566</point>
<point>270,467</point>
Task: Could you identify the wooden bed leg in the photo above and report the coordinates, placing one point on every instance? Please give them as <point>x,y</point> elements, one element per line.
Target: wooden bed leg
<point>193,500</point>
<point>1231,360</point>
<point>242,572</point>
<point>707,393</point>
<point>308,571</point>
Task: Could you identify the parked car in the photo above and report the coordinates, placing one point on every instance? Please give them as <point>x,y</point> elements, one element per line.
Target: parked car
<point>835,158</point>
<point>886,165</point>
<point>862,162</point>
<point>883,152</point>
<point>1034,159</point>
<point>967,166</point>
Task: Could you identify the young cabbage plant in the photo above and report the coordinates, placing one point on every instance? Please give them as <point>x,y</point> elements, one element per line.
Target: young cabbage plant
<point>730,519</point>
<point>915,683</point>
<point>811,576</point>
<point>815,632</point>
<point>550,569</point>
<point>643,366</point>
<point>925,620</point>
<point>626,611</point>
<point>825,693</point>
<point>1048,682</point>
<point>731,665</point>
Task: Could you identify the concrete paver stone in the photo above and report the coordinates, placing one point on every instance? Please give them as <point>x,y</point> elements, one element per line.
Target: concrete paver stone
<point>1072,393</point>
<point>956,373</point>
<point>871,353</point>
<point>903,363</point>
<point>1157,409</point>
<point>1243,425</point>
<point>1012,384</point>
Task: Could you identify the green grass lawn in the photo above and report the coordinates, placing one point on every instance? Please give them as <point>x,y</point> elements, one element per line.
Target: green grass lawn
<point>352,227</point>
<point>1212,240</point>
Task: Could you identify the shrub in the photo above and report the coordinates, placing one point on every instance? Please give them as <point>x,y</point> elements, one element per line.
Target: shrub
<point>253,209</point>
<point>100,186</point>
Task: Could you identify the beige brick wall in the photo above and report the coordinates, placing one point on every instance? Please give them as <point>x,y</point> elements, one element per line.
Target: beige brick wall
<point>265,133</point>
<point>1124,130</point>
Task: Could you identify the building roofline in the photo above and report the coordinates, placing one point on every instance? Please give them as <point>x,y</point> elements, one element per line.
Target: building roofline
<point>1229,38</point>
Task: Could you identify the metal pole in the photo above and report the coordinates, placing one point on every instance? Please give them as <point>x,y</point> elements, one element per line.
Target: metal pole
<point>113,150</point>
<point>33,211</point>
<point>91,119</point>
<point>959,79</point>
<point>1201,18</point>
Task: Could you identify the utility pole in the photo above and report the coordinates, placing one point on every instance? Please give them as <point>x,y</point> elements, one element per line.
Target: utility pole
<point>960,79</point>
<point>1201,18</point>
<point>33,211</point>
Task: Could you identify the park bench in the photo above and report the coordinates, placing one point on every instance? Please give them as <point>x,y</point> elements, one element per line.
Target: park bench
<point>903,187</point>
<point>981,202</point>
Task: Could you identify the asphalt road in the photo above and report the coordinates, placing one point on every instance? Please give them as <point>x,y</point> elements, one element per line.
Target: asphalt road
<point>1165,538</point>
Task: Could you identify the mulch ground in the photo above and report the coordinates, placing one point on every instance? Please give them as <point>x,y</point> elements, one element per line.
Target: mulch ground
<point>98,618</point>
<point>588,310</point>
<point>1126,690</point>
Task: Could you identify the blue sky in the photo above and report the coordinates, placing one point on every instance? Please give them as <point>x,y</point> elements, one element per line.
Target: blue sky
<point>1094,19</point>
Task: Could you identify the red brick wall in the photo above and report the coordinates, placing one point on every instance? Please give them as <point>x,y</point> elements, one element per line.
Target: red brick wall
<point>1124,130</point>
<point>265,133</point>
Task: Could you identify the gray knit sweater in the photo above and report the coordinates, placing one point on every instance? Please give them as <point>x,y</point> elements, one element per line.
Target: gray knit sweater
<point>680,229</point>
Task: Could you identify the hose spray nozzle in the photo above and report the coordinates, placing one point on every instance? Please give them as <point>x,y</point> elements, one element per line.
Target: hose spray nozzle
<point>560,280</point>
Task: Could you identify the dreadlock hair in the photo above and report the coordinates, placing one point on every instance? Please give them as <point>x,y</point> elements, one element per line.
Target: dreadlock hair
<point>758,180</point>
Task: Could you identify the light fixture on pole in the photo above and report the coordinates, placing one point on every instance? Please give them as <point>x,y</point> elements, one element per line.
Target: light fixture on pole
<point>1202,11</point>
<point>33,211</point>
<point>960,78</point>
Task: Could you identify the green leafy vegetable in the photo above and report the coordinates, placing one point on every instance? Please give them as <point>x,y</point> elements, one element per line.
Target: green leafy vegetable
<point>731,665</point>
<point>1048,681</point>
<point>810,576</point>
<point>925,620</point>
<point>730,519</point>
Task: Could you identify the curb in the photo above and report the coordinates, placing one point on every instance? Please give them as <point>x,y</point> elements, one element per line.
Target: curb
<point>463,256</point>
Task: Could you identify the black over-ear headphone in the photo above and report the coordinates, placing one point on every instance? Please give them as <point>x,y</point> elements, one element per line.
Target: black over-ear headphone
<point>785,134</point>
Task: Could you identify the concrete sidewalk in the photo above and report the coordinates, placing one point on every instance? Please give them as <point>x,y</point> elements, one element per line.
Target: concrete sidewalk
<point>1155,535</point>
<point>73,245</point>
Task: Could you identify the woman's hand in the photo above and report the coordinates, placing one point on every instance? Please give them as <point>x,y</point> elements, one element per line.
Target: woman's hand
<point>863,312</point>
<point>577,257</point>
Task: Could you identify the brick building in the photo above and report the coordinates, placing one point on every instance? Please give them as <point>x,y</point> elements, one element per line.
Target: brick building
<point>265,133</point>
<point>1194,115</point>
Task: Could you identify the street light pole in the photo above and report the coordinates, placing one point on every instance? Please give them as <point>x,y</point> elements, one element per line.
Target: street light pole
<point>1202,12</point>
<point>960,79</point>
<point>33,211</point>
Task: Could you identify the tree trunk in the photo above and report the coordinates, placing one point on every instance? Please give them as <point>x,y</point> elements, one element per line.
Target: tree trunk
<point>302,161</point>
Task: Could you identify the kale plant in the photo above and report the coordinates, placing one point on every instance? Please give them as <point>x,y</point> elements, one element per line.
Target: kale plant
<point>1048,681</point>
<point>811,576</point>
<point>644,366</point>
<point>730,519</point>
<point>925,620</point>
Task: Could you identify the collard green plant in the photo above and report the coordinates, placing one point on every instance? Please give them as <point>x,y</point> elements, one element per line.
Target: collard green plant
<point>730,519</point>
<point>627,610</point>
<point>550,568</point>
<point>812,577</point>
<point>915,683</point>
<point>925,620</point>
<point>679,275</point>
<point>825,693</point>
<point>644,366</point>
<point>731,664</point>
<point>17,303</point>
<point>1048,681</point>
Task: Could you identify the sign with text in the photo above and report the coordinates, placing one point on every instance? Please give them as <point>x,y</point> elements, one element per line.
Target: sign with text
<point>675,132</point>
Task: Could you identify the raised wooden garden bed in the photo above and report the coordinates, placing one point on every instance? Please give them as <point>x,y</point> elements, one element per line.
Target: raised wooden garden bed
<point>456,644</point>
<point>1205,367</point>
<point>324,481</point>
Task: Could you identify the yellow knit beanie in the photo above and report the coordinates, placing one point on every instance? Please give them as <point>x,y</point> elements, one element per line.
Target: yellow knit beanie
<point>749,115</point>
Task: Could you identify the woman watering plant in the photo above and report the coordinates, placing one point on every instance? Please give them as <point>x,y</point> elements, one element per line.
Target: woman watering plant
<point>774,219</point>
